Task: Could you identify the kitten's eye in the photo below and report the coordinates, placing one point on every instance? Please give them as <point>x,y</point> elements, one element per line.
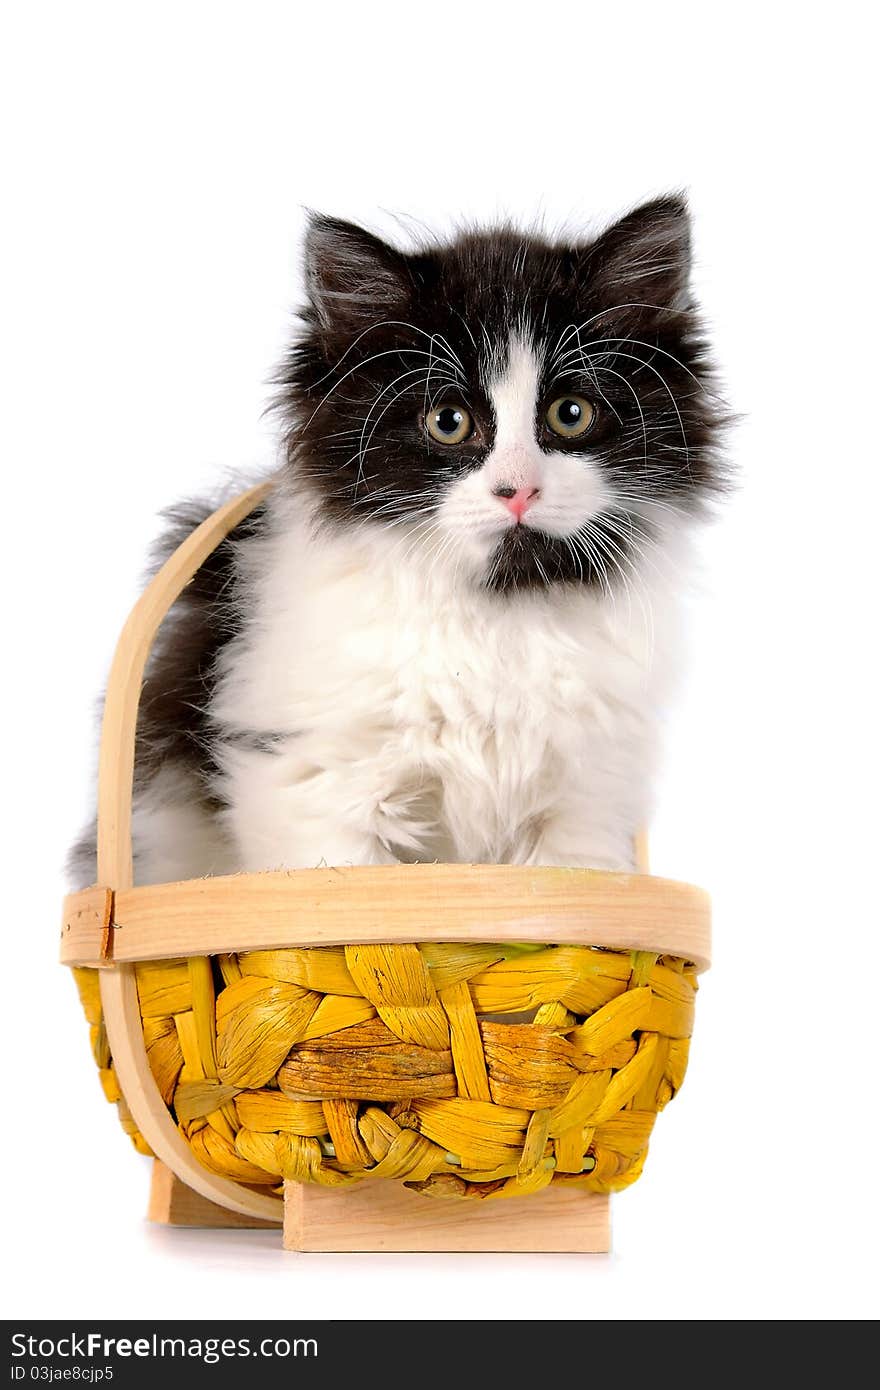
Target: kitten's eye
<point>451,424</point>
<point>570,416</point>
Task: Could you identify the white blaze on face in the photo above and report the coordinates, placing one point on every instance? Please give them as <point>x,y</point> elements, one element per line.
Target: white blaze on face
<point>569,485</point>
<point>515,460</point>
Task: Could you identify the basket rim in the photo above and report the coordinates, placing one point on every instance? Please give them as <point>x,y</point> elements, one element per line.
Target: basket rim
<point>387,903</point>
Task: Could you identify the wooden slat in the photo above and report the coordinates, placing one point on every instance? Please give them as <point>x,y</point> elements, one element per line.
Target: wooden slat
<point>172,1203</point>
<point>380,1215</point>
<point>388,903</point>
<point>115,774</point>
<point>85,928</point>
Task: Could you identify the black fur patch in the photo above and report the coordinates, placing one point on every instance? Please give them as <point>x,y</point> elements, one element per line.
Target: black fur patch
<point>173,719</point>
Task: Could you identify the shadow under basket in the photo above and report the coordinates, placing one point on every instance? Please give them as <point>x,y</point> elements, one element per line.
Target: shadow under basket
<point>392,1049</point>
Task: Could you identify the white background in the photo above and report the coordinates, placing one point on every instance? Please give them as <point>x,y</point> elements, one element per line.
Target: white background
<point>158,159</point>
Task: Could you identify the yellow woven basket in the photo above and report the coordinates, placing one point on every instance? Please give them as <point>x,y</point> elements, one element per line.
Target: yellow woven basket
<point>466,1031</point>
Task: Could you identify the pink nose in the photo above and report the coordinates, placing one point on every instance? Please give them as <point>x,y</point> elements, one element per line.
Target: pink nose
<point>517,500</point>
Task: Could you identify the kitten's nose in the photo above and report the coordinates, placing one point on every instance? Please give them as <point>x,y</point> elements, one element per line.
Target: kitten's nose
<point>517,499</point>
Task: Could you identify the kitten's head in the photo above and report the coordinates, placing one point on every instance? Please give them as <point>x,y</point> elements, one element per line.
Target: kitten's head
<point>538,412</point>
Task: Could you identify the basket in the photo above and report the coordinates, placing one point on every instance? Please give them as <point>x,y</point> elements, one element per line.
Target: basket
<point>375,1040</point>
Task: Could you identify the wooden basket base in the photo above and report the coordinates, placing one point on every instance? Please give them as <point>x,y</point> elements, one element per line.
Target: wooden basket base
<point>384,1216</point>
<point>172,1203</point>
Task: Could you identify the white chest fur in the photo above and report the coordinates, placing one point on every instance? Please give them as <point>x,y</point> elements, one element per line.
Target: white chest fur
<point>401,712</point>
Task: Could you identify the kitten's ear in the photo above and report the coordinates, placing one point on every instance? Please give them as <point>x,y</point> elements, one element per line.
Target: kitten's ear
<point>642,263</point>
<point>353,278</point>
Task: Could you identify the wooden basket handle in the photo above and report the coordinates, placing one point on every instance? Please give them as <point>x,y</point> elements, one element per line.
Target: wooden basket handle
<point>116,764</point>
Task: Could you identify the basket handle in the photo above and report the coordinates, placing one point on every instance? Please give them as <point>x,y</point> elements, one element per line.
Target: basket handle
<point>118,729</point>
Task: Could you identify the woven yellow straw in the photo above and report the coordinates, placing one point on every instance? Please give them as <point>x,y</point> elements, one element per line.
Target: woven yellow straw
<point>461,1070</point>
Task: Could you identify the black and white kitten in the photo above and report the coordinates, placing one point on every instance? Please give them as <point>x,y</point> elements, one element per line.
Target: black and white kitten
<point>451,631</point>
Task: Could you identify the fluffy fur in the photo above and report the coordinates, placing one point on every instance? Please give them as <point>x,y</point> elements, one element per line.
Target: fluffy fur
<point>424,650</point>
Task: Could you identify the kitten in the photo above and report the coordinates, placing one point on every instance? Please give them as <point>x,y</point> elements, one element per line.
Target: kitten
<point>452,630</point>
